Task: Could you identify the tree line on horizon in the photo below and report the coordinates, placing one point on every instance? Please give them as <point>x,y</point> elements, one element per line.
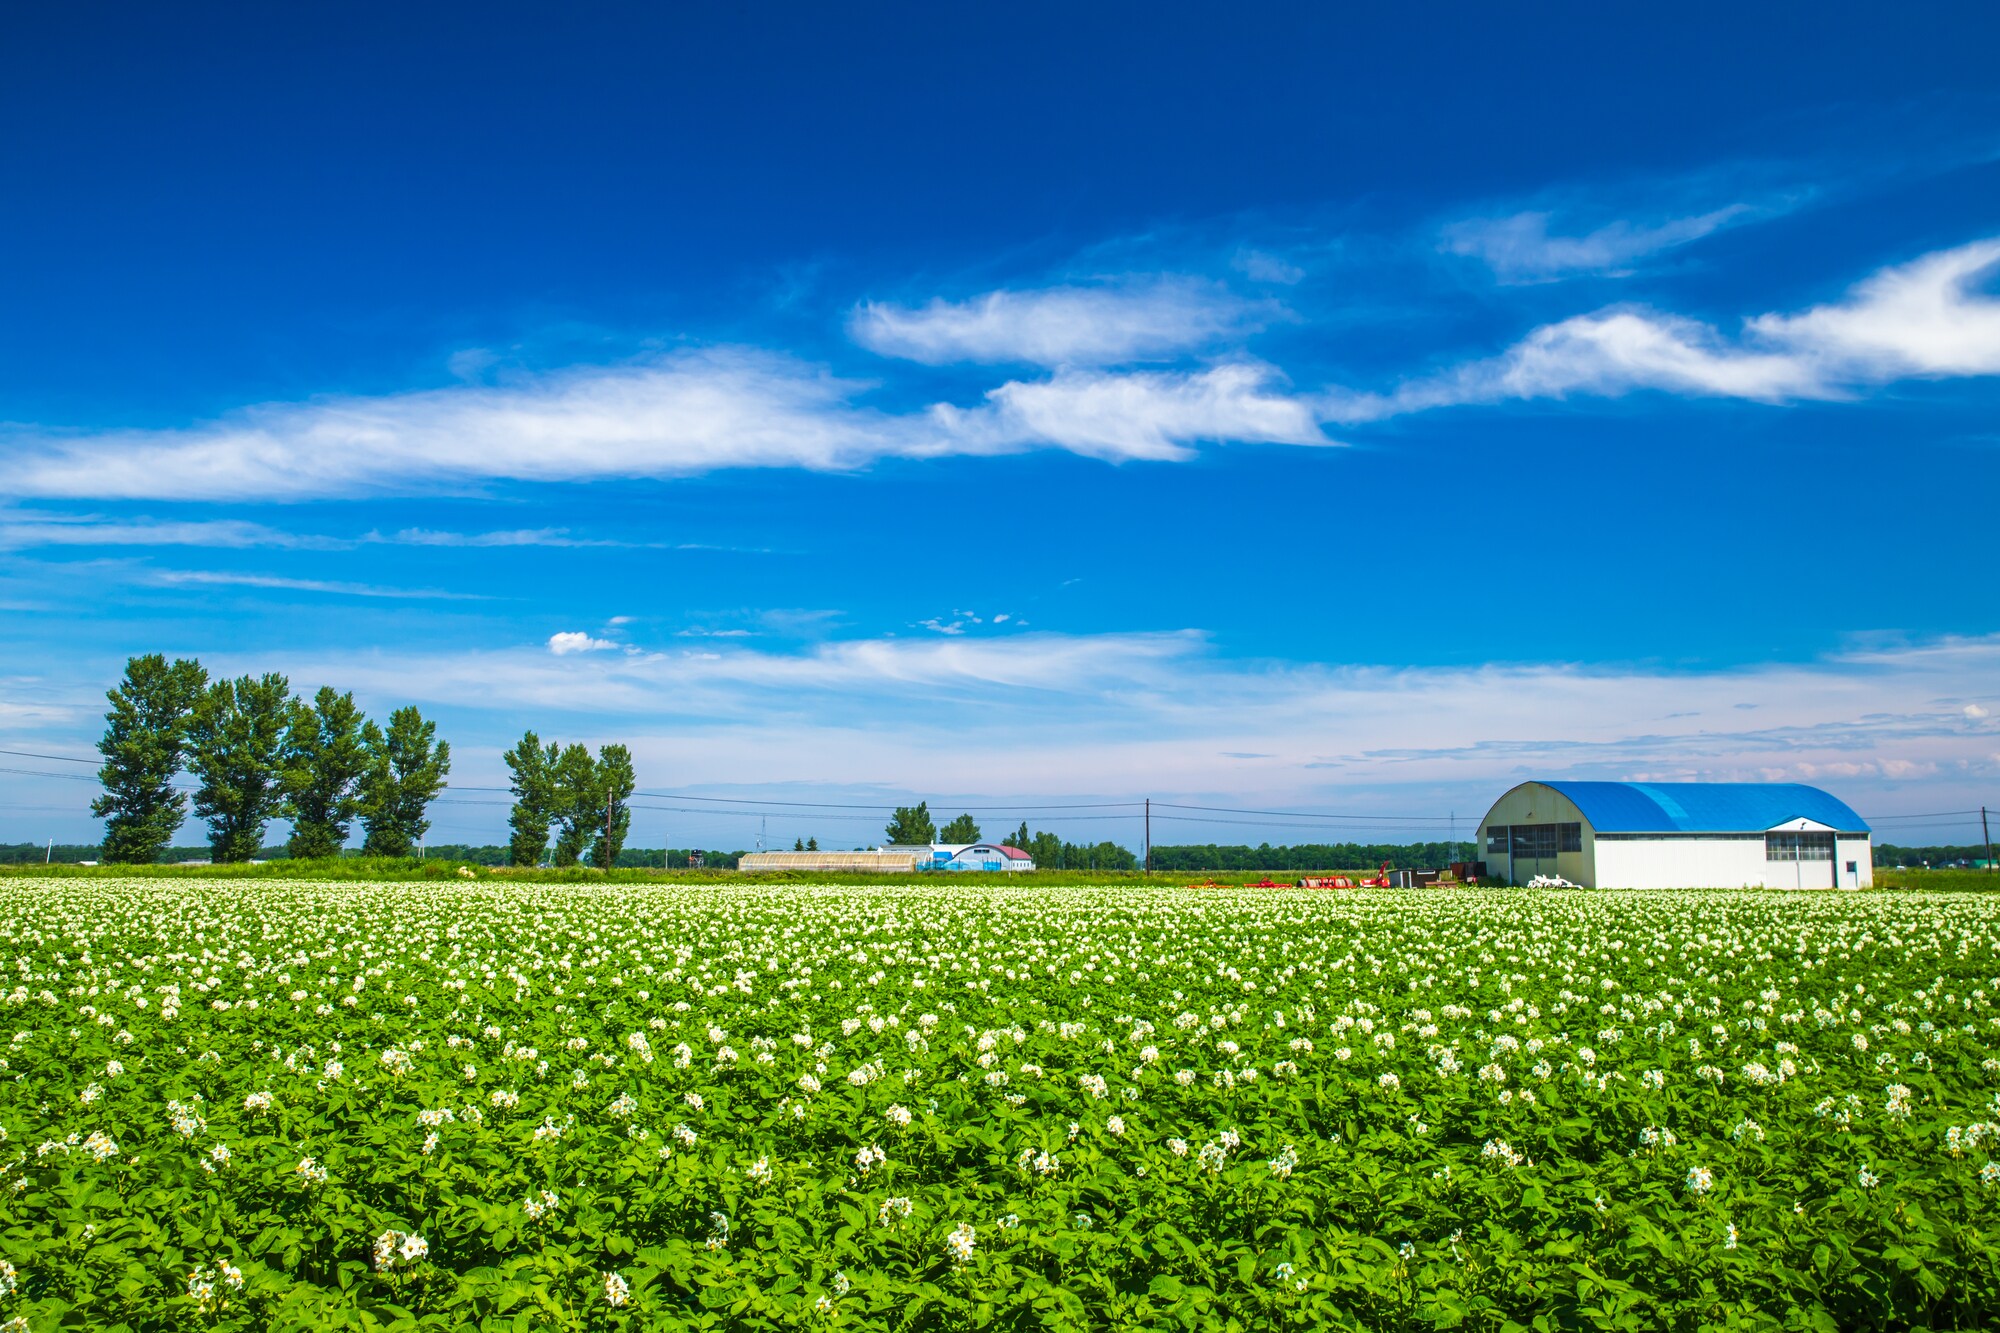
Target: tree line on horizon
<point>256,753</point>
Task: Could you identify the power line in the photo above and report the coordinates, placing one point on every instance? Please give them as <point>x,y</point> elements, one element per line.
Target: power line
<point>65,758</point>
<point>35,773</point>
<point>826,805</point>
<point>1253,823</point>
<point>1297,814</point>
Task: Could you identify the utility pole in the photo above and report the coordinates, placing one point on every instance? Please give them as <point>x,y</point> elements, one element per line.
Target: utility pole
<point>49,852</point>
<point>1987,834</point>
<point>1149,835</point>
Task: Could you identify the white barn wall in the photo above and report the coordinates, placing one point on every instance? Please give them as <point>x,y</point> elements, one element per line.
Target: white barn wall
<point>1861,851</point>
<point>1688,863</point>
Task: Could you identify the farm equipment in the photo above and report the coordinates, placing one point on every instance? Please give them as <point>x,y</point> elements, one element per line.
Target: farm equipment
<point>1381,880</point>
<point>1267,883</point>
<point>1326,882</point>
<point>1208,884</point>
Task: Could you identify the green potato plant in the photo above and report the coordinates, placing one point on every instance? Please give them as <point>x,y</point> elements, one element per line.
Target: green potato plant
<point>260,1104</point>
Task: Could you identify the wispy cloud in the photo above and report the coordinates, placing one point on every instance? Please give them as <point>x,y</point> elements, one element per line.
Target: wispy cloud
<point>685,414</point>
<point>1132,712</point>
<point>1156,416</point>
<point>700,411</point>
<point>223,578</point>
<point>673,416</point>
<point>510,537</point>
<point>1521,248</point>
<point>22,529</point>
<point>1922,319</point>
<point>1059,326</point>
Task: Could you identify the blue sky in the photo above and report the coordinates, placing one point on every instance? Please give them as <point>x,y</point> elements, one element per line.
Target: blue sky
<point>1272,407</point>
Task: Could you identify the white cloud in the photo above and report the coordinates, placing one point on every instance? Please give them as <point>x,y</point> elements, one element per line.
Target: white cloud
<point>509,537</point>
<point>1057,326</point>
<point>677,416</point>
<point>576,641</point>
<point>223,578</point>
<point>1044,714</point>
<point>1155,416</point>
<point>1520,248</point>
<point>20,529</point>
<point>1263,266</point>
<point>1135,712</point>
<point>1925,319</point>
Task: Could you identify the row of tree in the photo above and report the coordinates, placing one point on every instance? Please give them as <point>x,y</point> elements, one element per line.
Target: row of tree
<point>1311,856</point>
<point>911,826</point>
<point>584,800</point>
<point>1889,854</point>
<point>258,753</point>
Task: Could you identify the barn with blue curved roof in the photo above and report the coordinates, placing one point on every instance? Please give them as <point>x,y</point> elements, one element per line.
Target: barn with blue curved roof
<point>1646,835</point>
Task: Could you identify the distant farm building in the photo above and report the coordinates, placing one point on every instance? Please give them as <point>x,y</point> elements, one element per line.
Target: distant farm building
<point>878,861</point>
<point>966,856</point>
<point>1677,835</point>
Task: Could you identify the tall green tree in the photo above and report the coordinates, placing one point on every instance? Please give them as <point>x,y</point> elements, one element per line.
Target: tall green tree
<point>533,767</point>
<point>1047,849</point>
<point>236,742</point>
<point>407,766</point>
<point>145,740</point>
<point>575,803</point>
<point>963,829</point>
<point>321,771</point>
<point>912,826</point>
<point>612,805</point>
<point>1022,837</point>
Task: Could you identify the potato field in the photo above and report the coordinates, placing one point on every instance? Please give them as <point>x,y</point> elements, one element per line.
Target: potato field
<point>259,1104</point>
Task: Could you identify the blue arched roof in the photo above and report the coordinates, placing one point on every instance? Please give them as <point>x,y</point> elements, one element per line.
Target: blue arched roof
<point>1704,807</point>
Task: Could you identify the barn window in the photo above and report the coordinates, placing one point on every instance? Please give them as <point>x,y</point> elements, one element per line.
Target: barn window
<point>1570,837</point>
<point>1496,840</point>
<point>1798,846</point>
<point>1534,842</point>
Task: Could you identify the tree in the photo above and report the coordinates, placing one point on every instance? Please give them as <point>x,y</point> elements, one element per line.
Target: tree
<point>798,844</point>
<point>533,768</point>
<point>145,739</point>
<point>611,810</point>
<point>575,803</point>
<point>320,773</point>
<point>962,829</point>
<point>406,770</point>
<point>812,844</point>
<point>912,826</point>
<point>1022,837</point>
<point>1047,849</point>
<point>235,746</point>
